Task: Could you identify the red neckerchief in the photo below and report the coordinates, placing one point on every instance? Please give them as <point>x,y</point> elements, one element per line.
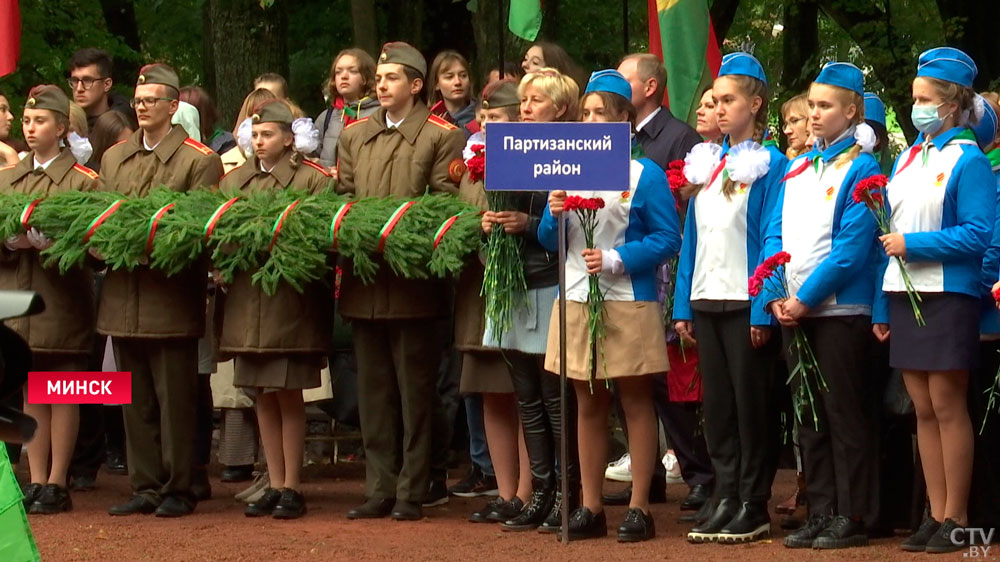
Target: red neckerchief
<point>349,114</point>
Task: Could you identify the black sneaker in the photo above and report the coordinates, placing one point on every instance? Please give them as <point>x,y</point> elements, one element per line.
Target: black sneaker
<point>750,524</point>
<point>807,533</point>
<point>31,492</point>
<point>842,532</point>
<point>637,527</point>
<point>583,524</point>
<point>708,531</point>
<point>917,542</point>
<point>553,522</point>
<point>265,505</point>
<point>533,514</point>
<point>53,499</point>
<point>437,494</point>
<point>946,540</point>
<point>498,510</point>
<point>115,463</point>
<point>475,484</point>
<point>292,505</point>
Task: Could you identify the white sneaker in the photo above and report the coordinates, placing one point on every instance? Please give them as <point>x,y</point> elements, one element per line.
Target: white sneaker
<point>673,469</point>
<point>261,482</point>
<point>620,470</point>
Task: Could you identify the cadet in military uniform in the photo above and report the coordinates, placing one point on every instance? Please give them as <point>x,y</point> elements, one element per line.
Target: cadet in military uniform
<point>279,341</point>
<point>156,320</point>
<point>401,151</point>
<point>61,337</point>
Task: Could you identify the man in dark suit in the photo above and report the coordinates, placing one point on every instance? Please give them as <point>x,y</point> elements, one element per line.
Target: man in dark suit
<point>664,138</point>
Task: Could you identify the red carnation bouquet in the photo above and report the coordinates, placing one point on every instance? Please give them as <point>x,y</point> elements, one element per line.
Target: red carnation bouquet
<point>676,179</point>
<point>872,194</point>
<point>477,164</point>
<point>586,210</point>
<point>770,277</point>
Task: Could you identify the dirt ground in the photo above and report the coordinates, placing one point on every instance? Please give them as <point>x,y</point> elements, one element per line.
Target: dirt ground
<point>219,531</point>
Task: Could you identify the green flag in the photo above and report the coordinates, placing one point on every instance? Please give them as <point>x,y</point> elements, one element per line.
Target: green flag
<point>525,18</point>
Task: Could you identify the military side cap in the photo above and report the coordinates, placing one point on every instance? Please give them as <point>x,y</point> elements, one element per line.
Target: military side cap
<point>503,94</point>
<point>158,73</point>
<point>273,111</point>
<point>948,64</point>
<point>874,108</point>
<point>405,54</point>
<point>743,64</point>
<point>47,96</point>
<point>610,81</point>
<point>842,75</point>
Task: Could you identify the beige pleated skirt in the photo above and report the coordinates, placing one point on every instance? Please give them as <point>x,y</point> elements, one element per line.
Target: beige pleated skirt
<point>634,342</point>
<point>269,372</point>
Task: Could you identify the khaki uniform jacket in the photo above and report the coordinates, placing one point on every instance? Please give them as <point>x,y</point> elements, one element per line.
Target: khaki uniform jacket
<point>145,303</point>
<point>286,322</point>
<point>67,324</point>
<point>423,153</point>
<point>470,308</point>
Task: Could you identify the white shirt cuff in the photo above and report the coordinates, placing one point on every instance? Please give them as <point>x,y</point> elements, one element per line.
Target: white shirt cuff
<point>611,262</point>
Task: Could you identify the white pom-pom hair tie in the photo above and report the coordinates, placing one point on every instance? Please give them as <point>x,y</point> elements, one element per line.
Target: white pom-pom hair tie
<point>701,161</point>
<point>306,135</point>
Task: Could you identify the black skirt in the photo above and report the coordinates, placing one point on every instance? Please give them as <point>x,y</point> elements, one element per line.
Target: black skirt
<point>948,342</point>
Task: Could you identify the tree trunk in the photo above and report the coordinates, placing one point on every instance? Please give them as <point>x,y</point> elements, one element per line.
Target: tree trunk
<point>248,41</point>
<point>799,48</point>
<point>888,53</point>
<point>208,56</point>
<point>119,15</point>
<point>487,28</point>
<point>972,27</point>
<point>365,30</point>
<point>723,13</point>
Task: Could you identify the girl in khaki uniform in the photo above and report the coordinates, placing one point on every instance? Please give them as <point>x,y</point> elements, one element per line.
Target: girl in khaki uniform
<point>61,337</point>
<point>279,341</point>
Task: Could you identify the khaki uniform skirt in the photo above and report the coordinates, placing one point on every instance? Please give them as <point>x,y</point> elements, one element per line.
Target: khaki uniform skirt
<point>634,342</point>
<point>272,372</point>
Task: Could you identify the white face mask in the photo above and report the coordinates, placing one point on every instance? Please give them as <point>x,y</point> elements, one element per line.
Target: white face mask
<point>925,118</point>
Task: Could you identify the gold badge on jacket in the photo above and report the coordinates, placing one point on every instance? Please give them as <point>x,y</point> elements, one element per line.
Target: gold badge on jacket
<point>456,169</point>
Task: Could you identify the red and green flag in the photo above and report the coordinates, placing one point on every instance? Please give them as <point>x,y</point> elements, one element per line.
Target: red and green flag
<point>10,36</point>
<point>525,18</point>
<point>681,34</point>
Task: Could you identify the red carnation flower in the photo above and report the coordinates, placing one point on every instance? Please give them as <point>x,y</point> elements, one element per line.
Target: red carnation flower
<point>477,164</point>
<point>756,286</point>
<point>676,165</point>
<point>996,295</point>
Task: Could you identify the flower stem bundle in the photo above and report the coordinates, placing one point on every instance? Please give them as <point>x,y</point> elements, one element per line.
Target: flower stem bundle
<point>871,192</point>
<point>504,284</point>
<point>586,211</point>
<point>770,277</point>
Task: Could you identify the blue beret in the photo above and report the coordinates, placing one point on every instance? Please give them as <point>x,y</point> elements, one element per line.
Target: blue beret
<point>842,75</point>
<point>874,109</point>
<point>609,81</point>
<point>986,129</point>
<point>742,63</point>
<point>949,64</point>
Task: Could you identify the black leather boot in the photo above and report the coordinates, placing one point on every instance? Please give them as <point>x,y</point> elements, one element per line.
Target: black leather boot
<point>750,524</point>
<point>553,522</point>
<point>534,513</point>
<point>708,531</point>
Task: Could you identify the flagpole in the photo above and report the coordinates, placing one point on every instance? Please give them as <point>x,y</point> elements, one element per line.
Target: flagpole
<point>500,30</point>
<point>563,439</point>
<point>625,49</point>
